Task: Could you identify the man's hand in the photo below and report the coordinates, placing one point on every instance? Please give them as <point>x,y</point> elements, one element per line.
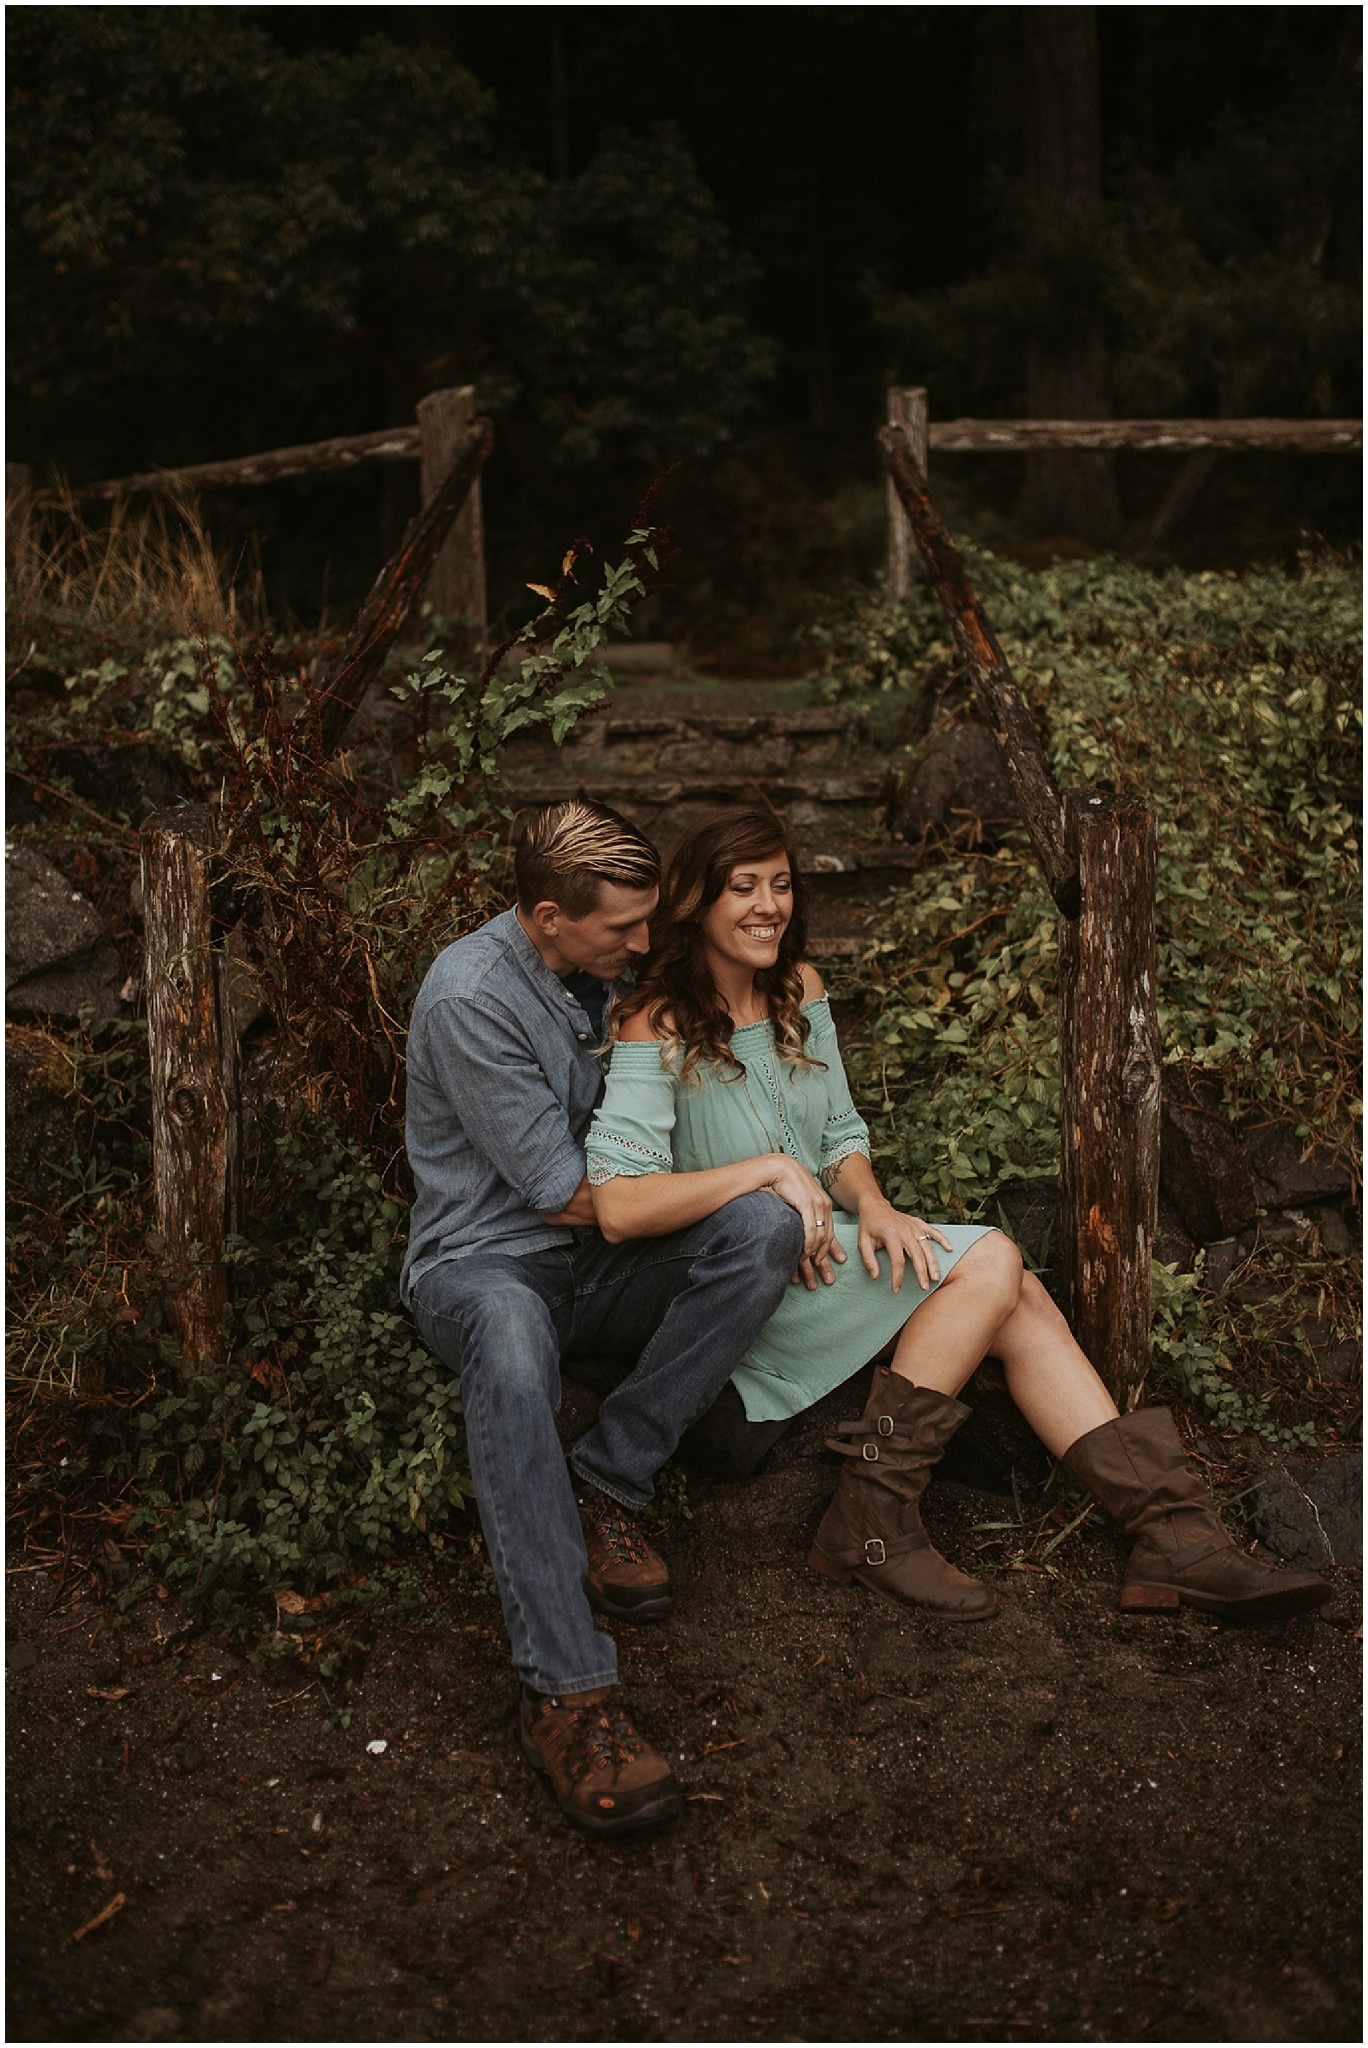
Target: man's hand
<point>578,1211</point>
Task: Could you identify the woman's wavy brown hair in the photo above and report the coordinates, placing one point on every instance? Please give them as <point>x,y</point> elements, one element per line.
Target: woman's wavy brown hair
<point>675,988</point>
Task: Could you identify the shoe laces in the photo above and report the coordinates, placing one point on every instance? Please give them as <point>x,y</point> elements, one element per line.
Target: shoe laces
<point>600,1738</point>
<point>620,1532</point>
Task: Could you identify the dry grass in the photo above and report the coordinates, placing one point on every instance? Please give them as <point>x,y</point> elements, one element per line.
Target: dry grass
<point>149,566</point>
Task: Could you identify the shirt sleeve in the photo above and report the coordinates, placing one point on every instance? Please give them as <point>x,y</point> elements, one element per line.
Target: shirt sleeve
<point>507,1107</point>
<point>845,1130</point>
<point>633,1125</point>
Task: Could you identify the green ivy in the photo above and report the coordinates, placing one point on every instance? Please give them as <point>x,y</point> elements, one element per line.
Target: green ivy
<point>1234,704</point>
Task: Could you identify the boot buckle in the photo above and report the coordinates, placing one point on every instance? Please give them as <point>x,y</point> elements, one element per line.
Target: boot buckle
<point>870,1453</point>
<point>874,1551</point>
<point>885,1425</point>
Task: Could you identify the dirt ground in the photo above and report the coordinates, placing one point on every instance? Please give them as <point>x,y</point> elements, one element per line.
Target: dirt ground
<point>1062,1824</point>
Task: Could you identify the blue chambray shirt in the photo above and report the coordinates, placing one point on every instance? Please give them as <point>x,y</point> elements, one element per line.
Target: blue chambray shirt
<point>503,1081</point>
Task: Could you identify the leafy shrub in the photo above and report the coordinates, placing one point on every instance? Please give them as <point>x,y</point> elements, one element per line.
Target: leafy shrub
<point>336,1434</point>
<point>324,1433</point>
<point>1234,703</point>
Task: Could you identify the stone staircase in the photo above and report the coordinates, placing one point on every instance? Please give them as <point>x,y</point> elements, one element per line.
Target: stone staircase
<point>667,755</point>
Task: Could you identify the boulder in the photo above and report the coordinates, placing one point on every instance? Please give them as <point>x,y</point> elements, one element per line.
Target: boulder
<point>962,779</point>
<point>1289,1170</point>
<point>1203,1168</point>
<point>1337,1239</point>
<point>1335,1358</point>
<point>58,952</point>
<point>1312,1514</point>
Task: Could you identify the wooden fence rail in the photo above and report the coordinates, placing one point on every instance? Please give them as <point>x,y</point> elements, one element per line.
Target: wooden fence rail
<point>1200,441</point>
<point>456,585</point>
<point>1098,855</point>
<point>949,437</point>
<point>346,451</point>
<point>1009,437</point>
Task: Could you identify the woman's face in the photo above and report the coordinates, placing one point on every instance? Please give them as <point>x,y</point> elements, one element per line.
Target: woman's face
<point>743,928</point>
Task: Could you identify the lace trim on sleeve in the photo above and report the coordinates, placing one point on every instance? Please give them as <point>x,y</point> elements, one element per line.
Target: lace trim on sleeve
<point>605,1164</point>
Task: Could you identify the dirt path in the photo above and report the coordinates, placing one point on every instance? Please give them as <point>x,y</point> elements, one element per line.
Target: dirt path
<point>1059,1825</point>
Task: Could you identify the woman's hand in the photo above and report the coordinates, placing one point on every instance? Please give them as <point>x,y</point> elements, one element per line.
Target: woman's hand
<point>904,1238</point>
<point>795,1185</point>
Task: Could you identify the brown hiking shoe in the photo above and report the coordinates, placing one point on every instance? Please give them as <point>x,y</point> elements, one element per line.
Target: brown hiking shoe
<point>605,1776</point>
<point>626,1577</point>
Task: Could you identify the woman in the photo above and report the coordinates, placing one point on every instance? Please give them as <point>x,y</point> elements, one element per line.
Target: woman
<point>726,1079</point>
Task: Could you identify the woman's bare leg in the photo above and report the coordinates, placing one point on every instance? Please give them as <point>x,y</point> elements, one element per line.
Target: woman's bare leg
<point>955,1327</point>
<point>989,1304</point>
<point>1050,1379</point>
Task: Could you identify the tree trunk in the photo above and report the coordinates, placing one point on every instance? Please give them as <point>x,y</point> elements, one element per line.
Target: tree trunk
<point>196,1149</point>
<point>1066,369</point>
<point>1109,1073</point>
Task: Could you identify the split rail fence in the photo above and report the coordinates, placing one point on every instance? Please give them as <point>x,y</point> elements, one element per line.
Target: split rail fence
<point>456,587</point>
<point>1097,851</point>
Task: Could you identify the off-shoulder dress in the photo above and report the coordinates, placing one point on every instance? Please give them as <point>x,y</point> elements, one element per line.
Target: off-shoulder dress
<point>653,1121</point>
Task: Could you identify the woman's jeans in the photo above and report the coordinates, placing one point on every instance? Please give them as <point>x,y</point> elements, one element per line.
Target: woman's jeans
<point>683,1309</point>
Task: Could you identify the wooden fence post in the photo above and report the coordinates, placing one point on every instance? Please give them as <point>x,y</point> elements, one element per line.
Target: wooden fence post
<point>995,686</point>
<point>196,1145</point>
<point>906,409</point>
<point>1109,1075</point>
<point>395,590</point>
<point>456,587</point>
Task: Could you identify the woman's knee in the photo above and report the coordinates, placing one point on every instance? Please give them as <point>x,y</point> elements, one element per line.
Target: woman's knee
<point>994,1266</point>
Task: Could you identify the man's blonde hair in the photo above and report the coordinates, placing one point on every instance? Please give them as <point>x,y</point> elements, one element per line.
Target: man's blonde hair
<point>564,852</point>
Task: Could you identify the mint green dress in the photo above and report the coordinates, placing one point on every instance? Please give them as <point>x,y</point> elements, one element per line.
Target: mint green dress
<point>652,1122</point>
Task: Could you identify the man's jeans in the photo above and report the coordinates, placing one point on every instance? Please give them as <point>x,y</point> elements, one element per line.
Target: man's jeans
<point>685,1308</point>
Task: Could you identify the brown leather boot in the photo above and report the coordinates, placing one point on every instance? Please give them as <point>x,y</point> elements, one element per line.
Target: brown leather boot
<point>1138,1469</point>
<point>605,1776</point>
<point>873,1529</point>
<point>626,1577</point>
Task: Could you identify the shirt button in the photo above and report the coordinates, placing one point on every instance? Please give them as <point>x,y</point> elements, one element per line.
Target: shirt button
<point>583,1037</point>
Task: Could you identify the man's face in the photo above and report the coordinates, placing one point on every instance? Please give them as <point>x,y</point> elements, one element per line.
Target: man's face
<point>603,942</point>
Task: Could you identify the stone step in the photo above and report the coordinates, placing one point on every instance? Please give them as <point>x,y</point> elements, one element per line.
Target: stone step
<point>818,857</point>
<point>616,723</point>
<point>626,791</point>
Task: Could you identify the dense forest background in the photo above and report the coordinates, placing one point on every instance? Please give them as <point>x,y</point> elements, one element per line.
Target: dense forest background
<point>698,236</point>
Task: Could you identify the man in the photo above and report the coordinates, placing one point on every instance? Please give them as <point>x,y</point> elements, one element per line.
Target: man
<point>506,1274</point>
